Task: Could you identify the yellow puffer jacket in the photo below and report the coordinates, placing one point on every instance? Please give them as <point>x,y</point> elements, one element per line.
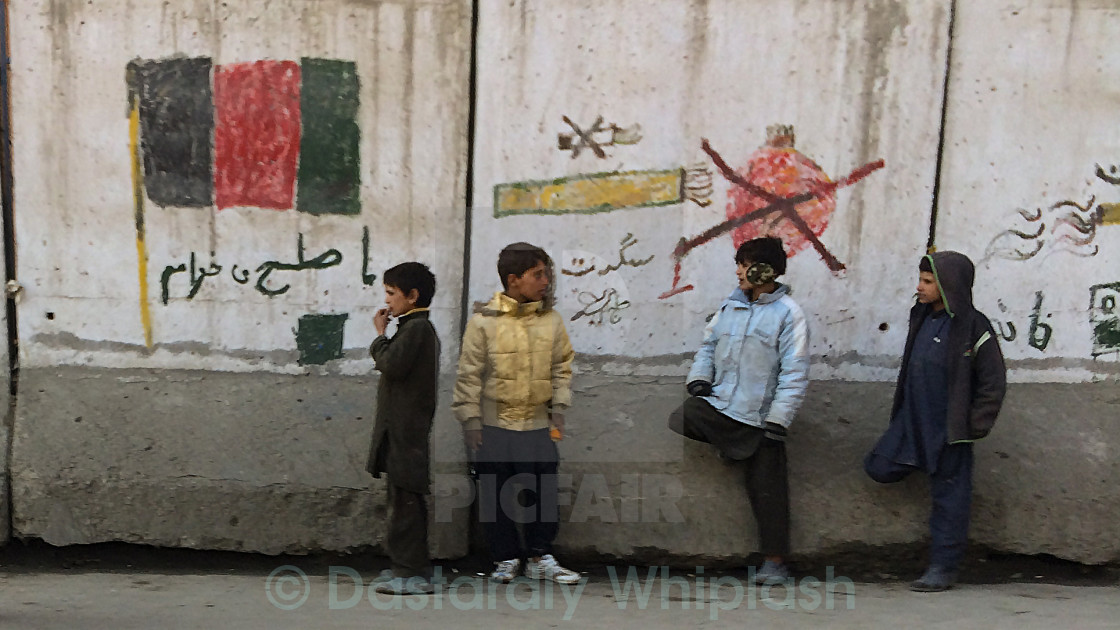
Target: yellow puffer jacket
<point>515,364</point>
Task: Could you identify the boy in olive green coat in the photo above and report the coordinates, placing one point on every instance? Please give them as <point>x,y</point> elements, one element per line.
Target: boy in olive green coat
<point>406,402</point>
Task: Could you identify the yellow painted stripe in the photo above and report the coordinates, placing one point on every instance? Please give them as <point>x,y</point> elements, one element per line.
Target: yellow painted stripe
<point>1110,213</point>
<point>138,201</point>
<point>596,192</point>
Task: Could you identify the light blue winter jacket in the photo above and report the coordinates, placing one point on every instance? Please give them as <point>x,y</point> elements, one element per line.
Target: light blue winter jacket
<point>756,356</point>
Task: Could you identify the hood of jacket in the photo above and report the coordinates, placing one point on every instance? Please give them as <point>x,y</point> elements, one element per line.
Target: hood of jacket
<point>954,273</point>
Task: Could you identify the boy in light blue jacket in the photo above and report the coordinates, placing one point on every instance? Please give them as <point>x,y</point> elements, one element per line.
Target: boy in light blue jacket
<point>746,384</point>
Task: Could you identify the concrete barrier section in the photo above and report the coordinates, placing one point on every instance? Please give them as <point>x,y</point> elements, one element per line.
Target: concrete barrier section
<point>206,196</point>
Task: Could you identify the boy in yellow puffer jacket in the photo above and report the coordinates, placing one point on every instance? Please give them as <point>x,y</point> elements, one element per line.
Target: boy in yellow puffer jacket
<point>513,386</point>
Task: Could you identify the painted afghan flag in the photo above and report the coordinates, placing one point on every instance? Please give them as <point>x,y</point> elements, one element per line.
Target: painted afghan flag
<point>266,134</point>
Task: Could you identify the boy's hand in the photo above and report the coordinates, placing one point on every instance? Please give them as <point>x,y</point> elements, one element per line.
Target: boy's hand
<point>473,438</point>
<point>774,431</point>
<point>699,388</point>
<point>381,320</point>
<point>557,420</point>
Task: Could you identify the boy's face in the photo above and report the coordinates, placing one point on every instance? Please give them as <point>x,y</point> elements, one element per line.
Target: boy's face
<point>741,272</point>
<point>928,293</point>
<point>398,302</point>
<point>529,286</point>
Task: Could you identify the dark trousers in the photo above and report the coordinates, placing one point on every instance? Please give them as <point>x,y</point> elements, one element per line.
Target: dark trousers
<point>767,472</point>
<point>517,484</point>
<point>951,498</point>
<point>408,532</point>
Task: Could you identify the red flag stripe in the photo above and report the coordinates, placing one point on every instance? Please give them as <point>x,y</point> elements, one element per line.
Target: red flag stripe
<point>256,134</point>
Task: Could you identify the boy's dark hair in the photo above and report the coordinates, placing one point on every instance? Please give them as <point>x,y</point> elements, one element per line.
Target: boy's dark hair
<point>925,265</point>
<point>767,249</point>
<point>517,258</point>
<point>412,275</point>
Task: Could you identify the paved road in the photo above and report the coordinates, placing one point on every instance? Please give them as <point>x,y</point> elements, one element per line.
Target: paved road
<point>119,598</point>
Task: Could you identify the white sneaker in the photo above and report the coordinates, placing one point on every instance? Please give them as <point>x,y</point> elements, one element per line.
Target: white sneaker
<point>506,571</point>
<point>549,569</point>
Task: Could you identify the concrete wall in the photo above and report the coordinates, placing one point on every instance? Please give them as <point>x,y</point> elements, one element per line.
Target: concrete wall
<point>89,301</point>
<point>587,113</point>
<point>208,195</point>
<point>1040,212</point>
<point>854,80</point>
<point>616,135</point>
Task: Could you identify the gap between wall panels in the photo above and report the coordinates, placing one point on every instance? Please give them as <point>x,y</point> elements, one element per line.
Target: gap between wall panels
<point>935,201</point>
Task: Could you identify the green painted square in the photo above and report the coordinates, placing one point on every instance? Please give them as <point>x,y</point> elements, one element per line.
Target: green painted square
<point>1104,318</point>
<point>319,337</point>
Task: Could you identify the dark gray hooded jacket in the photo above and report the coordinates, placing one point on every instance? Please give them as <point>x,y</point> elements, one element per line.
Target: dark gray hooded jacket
<point>977,376</point>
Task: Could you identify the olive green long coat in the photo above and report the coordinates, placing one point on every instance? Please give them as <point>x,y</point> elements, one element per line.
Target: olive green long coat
<point>406,402</point>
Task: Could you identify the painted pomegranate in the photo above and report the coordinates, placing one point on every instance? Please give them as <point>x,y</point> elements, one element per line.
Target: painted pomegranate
<point>780,169</point>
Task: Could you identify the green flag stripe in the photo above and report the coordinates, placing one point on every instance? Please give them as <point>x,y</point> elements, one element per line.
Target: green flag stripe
<point>329,175</point>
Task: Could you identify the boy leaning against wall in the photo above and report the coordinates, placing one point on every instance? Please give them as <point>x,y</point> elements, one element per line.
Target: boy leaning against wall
<point>746,384</point>
<point>406,402</point>
<point>950,390</point>
<point>513,386</point>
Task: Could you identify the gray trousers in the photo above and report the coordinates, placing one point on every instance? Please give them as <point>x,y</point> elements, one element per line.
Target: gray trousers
<point>765,462</point>
<point>407,539</point>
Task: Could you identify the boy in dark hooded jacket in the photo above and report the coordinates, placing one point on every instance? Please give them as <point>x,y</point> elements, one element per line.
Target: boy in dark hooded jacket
<point>950,389</point>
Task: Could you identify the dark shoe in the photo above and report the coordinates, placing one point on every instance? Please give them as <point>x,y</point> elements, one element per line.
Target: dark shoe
<point>935,580</point>
<point>728,461</point>
<point>772,573</point>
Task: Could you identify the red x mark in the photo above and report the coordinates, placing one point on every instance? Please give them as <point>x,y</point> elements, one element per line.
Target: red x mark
<point>787,206</point>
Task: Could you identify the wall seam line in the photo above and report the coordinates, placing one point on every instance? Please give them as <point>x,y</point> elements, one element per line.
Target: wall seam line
<point>468,190</point>
<point>936,200</point>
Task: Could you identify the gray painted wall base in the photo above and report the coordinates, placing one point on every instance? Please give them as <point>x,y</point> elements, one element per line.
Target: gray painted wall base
<point>252,463</point>
<point>244,462</point>
<point>1047,480</point>
<point>5,443</point>
<point>5,484</point>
